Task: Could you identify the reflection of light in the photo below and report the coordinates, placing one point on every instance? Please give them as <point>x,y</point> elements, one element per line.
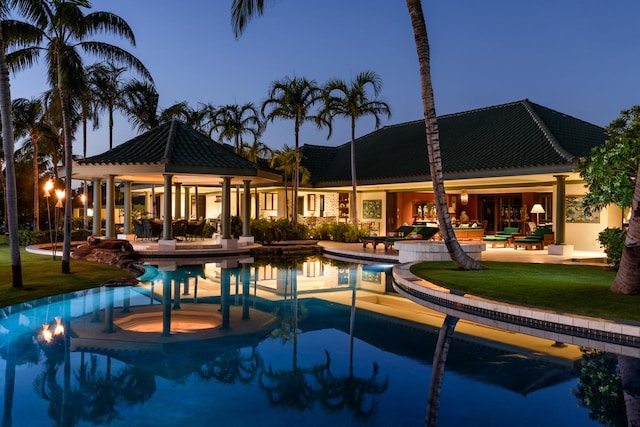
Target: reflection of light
<point>59,329</point>
<point>46,333</point>
<point>184,321</point>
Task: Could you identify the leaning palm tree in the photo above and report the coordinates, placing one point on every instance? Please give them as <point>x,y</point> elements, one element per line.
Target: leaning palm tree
<point>243,10</point>
<point>351,101</point>
<point>294,99</point>
<point>233,121</point>
<point>67,30</point>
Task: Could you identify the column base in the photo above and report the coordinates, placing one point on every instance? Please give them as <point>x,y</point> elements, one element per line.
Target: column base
<point>563,250</point>
<point>229,243</point>
<point>167,245</point>
<point>246,240</point>
<point>129,237</point>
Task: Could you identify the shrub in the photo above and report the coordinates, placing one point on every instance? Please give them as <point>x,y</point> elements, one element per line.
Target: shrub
<point>612,240</point>
<point>268,231</point>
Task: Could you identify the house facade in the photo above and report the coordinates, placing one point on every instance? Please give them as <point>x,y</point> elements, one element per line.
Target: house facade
<point>499,162</point>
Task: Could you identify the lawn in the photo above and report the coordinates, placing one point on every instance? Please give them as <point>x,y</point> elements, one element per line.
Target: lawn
<point>42,277</point>
<point>571,288</point>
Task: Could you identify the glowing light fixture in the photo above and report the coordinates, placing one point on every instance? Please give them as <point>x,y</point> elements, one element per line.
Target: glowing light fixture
<point>537,209</point>
<point>464,198</point>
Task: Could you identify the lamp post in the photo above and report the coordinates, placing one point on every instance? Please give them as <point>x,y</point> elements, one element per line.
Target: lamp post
<point>48,186</point>
<point>59,204</point>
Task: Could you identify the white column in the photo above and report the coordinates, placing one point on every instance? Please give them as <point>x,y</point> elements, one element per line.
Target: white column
<point>110,225</point>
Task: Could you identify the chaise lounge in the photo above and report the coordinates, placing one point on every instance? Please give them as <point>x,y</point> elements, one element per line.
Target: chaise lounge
<point>503,237</point>
<point>539,238</point>
<point>404,230</point>
<point>420,233</point>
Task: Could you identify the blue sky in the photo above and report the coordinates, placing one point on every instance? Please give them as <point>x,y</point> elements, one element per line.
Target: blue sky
<point>579,57</point>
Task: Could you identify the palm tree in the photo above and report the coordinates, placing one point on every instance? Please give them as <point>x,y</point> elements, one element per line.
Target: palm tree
<point>293,99</point>
<point>242,11</point>
<point>105,84</point>
<point>67,31</point>
<point>351,101</point>
<point>233,120</point>
<point>12,34</point>
<point>285,161</point>
<point>141,105</point>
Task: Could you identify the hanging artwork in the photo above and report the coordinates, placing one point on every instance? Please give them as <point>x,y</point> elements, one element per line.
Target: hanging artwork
<point>372,209</point>
<point>575,212</point>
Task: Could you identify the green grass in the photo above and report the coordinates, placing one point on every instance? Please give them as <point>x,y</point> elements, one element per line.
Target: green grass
<point>570,288</point>
<point>42,277</point>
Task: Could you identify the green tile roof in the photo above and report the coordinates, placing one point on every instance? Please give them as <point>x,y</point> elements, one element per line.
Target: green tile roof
<point>179,148</point>
<point>516,138</point>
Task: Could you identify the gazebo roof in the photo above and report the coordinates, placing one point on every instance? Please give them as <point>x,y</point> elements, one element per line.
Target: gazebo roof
<point>171,148</point>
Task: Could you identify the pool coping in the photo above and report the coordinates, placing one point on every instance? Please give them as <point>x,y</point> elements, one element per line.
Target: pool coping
<point>602,334</point>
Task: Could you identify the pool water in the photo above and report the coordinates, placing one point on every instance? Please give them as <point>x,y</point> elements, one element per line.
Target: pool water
<point>243,343</point>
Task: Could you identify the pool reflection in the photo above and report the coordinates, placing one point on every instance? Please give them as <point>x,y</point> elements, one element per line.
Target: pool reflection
<point>247,342</point>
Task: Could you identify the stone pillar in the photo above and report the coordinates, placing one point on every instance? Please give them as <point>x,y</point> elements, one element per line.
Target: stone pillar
<point>127,207</point>
<point>197,212</point>
<point>110,226</point>
<point>560,247</point>
<point>246,212</point>
<point>178,202</point>
<point>227,241</point>
<point>97,206</point>
<point>166,225</point>
<point>187,203</point>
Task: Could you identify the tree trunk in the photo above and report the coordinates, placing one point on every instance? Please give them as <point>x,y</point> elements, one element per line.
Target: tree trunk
<point>296,178</point>
<point>68,169</point>
<point>627,279</point>
<point>36,183</point>
<point>354,202</point>
<point>7,145</point>
<point>458,256</point>
<point>630,376</point>
<point>437,368</point>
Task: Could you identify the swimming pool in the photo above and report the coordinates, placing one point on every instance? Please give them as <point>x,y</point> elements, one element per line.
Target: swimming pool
<point>246,342</point>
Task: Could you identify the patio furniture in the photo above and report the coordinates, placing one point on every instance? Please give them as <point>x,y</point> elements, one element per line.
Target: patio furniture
<point>420,233</point>
<point>538,239</point>
<point>400,231</point>
<point>152,228</point>
<point>504,237</point>
<point>138,230</point>
<point>195,229</point>
<point>463,233</point>
<point>179,228</point>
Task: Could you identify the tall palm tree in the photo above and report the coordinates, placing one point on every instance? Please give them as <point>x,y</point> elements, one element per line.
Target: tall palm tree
<point>141,105</point>
<point>12,34</point>
<point>351,101</point>
<point>67,32</point>
<point>242,11</point>
<point>105,84</point>
<point>233,121</point>
<point>29,123</point>
<point>294,99</point>
<point>284,160</point>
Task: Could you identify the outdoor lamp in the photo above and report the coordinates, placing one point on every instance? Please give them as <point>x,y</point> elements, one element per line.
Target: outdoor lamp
<point>48,186</point>
<point>537,209</point>
<point>464,198</point>
<point>60,195</point>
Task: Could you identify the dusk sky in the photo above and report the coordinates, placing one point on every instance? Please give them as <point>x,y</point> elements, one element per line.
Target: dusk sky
<point>579,57</point>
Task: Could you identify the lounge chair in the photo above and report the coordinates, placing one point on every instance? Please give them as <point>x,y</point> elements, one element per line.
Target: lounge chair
<point>539,238</point>
<point>420,233</point>
<point>374,240</point>
<point>503,237</point>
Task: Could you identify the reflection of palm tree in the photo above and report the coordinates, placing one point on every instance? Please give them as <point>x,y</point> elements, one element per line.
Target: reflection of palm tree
<point>437,368</point>
<point>232,366</point>
<point>352,392</point>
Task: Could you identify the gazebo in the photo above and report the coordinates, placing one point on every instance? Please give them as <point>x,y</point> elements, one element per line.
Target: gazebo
<point>172,155</point>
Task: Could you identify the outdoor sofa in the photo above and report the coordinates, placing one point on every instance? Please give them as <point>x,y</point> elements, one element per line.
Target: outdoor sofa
<point>419,233</point>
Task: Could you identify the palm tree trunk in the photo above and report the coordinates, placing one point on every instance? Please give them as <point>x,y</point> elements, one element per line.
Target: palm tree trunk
<point>7,145</point>
<point>296,178</point>
<point>36,184</point>
<point>68,159</point>
<point>354,194</point>
<point>437,368</point>
<point>458,256</point>
<point>627,279</point>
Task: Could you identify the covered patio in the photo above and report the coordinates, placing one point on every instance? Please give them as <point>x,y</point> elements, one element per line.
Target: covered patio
<point>173,157</point>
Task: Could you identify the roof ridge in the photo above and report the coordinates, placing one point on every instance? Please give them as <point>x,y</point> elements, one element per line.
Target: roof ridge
<point>170,140</point>
<point>555,144</point>
<point>491,107</point>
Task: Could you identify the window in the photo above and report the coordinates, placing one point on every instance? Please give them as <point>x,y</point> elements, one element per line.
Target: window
<point>269,201</point>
